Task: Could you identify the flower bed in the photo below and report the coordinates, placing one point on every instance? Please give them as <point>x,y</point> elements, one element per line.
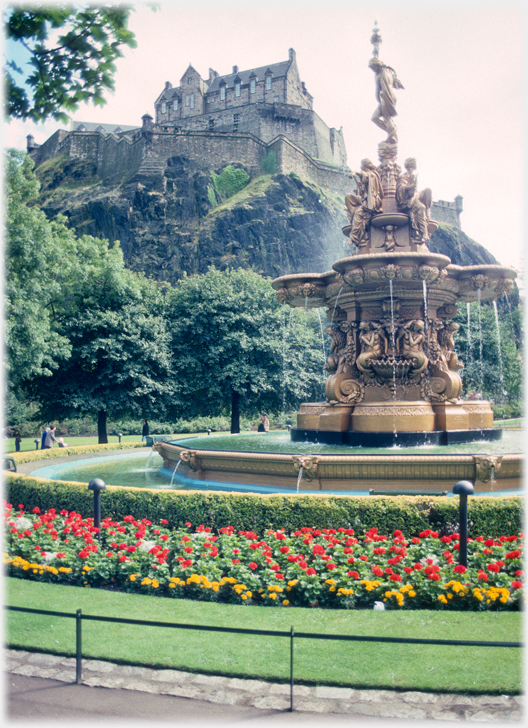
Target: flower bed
<point>309,567</point>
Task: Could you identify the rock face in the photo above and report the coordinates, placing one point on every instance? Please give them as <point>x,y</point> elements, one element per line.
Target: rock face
<point>178,220</point>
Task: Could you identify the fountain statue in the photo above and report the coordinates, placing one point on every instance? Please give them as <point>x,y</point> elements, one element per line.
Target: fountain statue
<point>393,372</point>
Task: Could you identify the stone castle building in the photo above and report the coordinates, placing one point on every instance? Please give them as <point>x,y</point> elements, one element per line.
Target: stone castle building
<point>262,118</point>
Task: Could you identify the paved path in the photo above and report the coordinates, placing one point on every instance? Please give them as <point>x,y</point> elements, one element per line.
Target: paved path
<point>267,696</point>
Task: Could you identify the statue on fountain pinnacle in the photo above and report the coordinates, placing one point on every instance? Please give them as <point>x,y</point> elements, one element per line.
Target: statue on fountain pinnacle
<point>387,82</point>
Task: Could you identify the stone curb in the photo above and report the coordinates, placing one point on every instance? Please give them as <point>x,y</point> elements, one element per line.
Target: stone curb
<point>268,695</point>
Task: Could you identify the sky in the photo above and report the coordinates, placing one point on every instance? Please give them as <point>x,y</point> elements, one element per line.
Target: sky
<point>461,113</point>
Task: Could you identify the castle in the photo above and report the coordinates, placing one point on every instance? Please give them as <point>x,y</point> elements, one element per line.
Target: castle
<point>262,118</point>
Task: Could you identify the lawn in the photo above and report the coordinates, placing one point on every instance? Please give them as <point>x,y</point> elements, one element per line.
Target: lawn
<point>28,443</point>
<point>487,670</point>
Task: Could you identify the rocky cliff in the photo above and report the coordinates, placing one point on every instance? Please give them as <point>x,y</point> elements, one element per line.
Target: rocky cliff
<point>186,218</point>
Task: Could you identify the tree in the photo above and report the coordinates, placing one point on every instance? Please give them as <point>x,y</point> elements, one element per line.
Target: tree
<point>84,335</point>
<point>229,351</point>
<point>119,364</point>
<point>71,50</point>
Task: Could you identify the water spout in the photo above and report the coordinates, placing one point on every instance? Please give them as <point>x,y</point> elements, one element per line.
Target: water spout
<point>481,353</point>
<point>426,317</point>
<point>501,371</point>
<point>299,478</point>
<point>393,345</point>
<point>335,305</point>
<point>174,472</point>
<point>469,357</point>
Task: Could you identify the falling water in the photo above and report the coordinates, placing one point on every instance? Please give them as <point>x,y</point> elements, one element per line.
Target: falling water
<point>469,357</point>
<point>393,344</point>
<point>324,349</point>
<point>299,478</point>
<point>501,371</point>
<point>426,317</point>
<point>480,339</point>
<point>283,381</point>
<point>305,302</point>
<point>174,472</point>
<point>335,305</point>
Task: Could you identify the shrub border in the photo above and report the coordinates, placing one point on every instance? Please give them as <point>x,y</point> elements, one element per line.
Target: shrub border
<point>490,517</point>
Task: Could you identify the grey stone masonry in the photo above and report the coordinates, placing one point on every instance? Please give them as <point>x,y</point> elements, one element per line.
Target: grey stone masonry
<point>322,699</point>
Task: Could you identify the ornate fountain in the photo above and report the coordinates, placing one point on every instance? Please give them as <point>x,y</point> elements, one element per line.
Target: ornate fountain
<point>393,369</point>
<point>393,372</point>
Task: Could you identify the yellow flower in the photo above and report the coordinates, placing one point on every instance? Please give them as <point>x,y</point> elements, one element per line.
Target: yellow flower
<point>243,596</point>
<point>132,577</point>
<point>442,599</point>
<point>272,596</point>
<point>285,602</point>
<point>172,585</point>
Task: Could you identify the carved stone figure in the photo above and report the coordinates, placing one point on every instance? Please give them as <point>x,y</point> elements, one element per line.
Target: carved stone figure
<point>447,342</point>
<point>386,84</point>
<point>363,205</point>
<point>410,342</point>
<point>337,347</point>
<point>415,204</point>
<point>374,345</point>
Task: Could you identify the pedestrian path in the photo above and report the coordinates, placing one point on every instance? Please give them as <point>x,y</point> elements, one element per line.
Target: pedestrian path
<point>270,696</point>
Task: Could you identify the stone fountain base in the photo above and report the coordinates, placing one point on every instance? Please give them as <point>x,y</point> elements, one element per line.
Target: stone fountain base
<point>391,439</point>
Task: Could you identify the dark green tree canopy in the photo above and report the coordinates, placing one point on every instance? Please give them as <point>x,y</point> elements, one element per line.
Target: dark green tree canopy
<point>71,50</point>
<point>233,347</point>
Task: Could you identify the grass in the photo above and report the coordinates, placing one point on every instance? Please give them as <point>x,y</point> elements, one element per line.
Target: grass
<point>28,443</point>
<point>469,670</point>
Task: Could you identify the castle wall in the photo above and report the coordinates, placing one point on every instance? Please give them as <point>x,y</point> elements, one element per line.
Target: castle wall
<point>52,147</point>
<point>448,212</point>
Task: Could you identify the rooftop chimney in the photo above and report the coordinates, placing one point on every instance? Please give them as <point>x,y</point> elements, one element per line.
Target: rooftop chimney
<point>235,69</point>
<point>291,54</point>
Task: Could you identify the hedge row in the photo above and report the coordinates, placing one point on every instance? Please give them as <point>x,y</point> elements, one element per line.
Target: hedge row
<point>30,456</point>
<point>488,517</point>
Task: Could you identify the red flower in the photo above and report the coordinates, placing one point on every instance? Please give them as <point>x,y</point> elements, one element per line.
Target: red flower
<point>186,563</point>
<point>128,519</point>
<point>275,567</point>
<point>434,576</point>
<point>395,577</point>
<point>164,521</point>
<point>131,549</point>
<point>482,576</point>
<point>188,524</point>
<point>379,550</point>
<point>303,564</point>
<point>109,554</point>
<point>493,567</point>
<point>311,572</point>
<point>460,569</point>
<point>279,576</point>
<point>330,566</point>
<point>60,555</point>
<point>318,549</point>
<point>36,510</point>
<point>418,566</point>
<point>376,570</point>
<point>388,571</point>
<point>252,565</point>
<point>353,574</point>
<point>363,557</point>
<point>188,549</point>
<point>516,584</point>
<point>408,569</point>
<point>284,549</point>
<point>236,561</point>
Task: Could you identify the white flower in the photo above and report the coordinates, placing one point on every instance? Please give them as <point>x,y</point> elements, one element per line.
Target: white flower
<point>146,545</point>
<point>22,524</point>
<point>50,555</point>
<point>379,606</point>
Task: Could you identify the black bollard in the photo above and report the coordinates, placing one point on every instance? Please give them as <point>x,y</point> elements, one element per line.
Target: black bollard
<point>208,432</point>
<point>120,435</point>
<point>97,485</point>
<point>463,488</point>
<point>36,444</point>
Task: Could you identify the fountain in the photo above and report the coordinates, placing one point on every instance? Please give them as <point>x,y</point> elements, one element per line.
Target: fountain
<point>393,372</point>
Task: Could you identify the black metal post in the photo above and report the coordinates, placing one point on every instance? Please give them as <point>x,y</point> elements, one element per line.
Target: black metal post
<point>120,435</point>
<point>291,670</point>
<point>36,444</point>
<point>97,485</point>
<point>463,488</point>
<point>78,647</point>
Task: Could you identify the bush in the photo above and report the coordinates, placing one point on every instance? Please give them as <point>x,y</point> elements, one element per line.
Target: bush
<point>488,517</point>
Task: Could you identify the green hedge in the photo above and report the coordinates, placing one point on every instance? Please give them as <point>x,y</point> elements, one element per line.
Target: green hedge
<point>31,456</point>
<point>488,517</point>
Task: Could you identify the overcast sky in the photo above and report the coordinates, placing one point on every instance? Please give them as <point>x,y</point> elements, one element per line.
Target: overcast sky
<point>461,63</point>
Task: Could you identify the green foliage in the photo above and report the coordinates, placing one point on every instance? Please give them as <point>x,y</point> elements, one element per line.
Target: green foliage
<point>211,196</point>
<point>269,162</point>
<point>228,341</point>
<point>230,181</point>
<point>76,65</point>
<point>33,456</point>
<point>488,517</point>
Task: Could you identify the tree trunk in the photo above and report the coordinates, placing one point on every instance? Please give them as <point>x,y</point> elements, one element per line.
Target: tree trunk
<point>235,412</point>
<point>101,427</point>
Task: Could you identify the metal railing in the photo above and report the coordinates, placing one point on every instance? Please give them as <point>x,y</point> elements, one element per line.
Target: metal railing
<point>78,616</point>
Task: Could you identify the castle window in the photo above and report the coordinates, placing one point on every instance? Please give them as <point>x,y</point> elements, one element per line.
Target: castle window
<point>236,119</point>
<point>211,124</point>
<point>192,101</point>
<point>164,108</point>
<point>175,104</point>
<point>276,98</point>
<point>187,101</point>
<point>222,92</point>
<point>253,86</point>
<point>189,81</point>
<point>237,89</point>
<point>268,82</point>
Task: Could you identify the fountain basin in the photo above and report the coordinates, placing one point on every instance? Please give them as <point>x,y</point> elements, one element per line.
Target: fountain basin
<point>341,473</point>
